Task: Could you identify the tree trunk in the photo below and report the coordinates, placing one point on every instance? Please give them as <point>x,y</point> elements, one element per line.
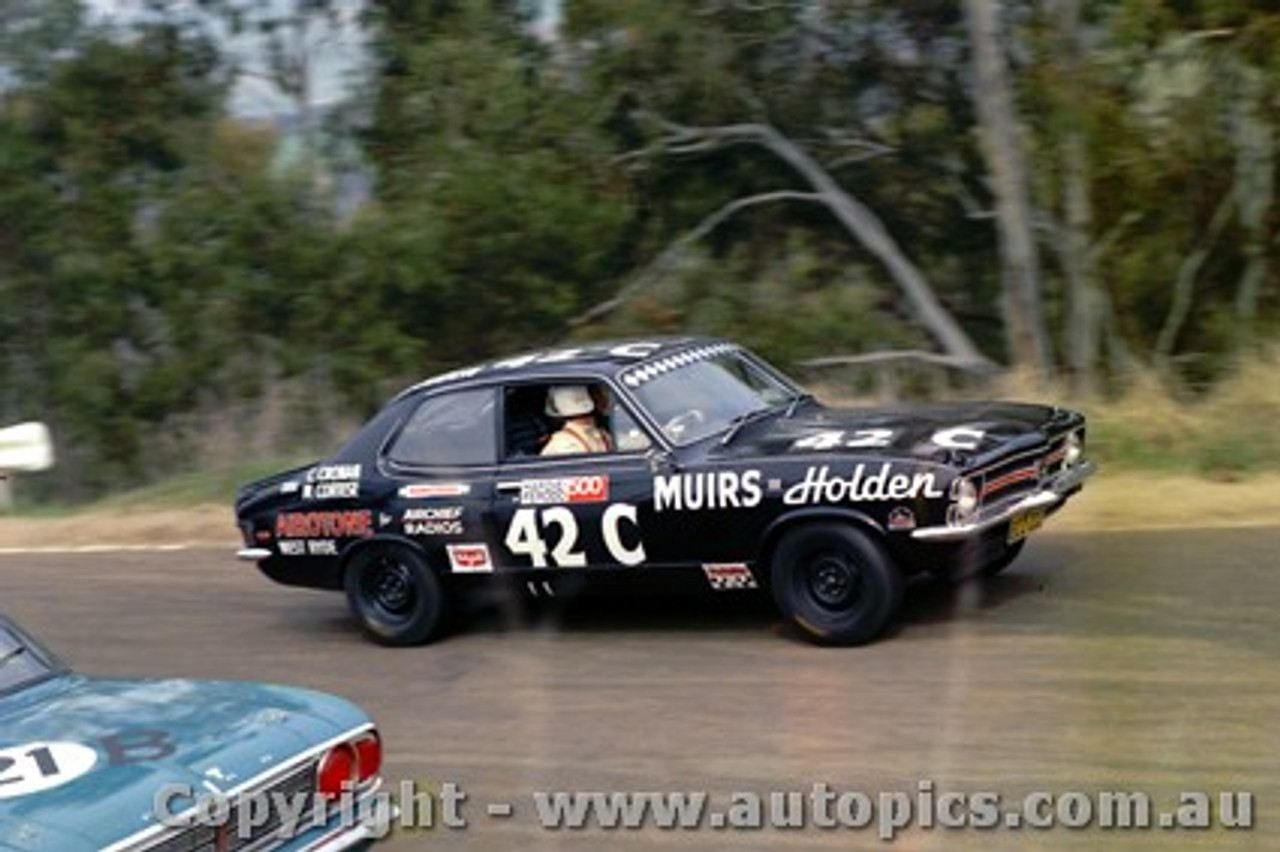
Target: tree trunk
<point>1254,180</point>
<point>998,129</point>
<point>1084,322</point>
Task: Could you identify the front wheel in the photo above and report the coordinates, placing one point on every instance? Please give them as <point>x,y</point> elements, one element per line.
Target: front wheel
<point>395,594</point>
<point>836,583</point>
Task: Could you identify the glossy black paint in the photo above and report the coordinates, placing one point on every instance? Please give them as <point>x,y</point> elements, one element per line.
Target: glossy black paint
<point>722,500</point>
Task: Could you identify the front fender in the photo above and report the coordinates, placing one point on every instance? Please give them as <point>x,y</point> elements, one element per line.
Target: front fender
<point>808,514</point>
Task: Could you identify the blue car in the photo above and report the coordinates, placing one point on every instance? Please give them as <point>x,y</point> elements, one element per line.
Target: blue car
<point>178,765</point>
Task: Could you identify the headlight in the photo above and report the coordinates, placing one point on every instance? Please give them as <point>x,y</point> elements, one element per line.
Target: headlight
<point>1073,449</point>
<point>964,496</point>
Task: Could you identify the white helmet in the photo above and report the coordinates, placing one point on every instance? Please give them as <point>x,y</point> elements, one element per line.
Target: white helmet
<point>569,401</point>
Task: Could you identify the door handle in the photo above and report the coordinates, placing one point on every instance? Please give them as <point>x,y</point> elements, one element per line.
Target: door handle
<point>508,487</point>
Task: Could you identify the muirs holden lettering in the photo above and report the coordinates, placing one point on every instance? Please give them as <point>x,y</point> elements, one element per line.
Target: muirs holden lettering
<point>820,486</point>
<point>356,523</point>
<point>724,489</point>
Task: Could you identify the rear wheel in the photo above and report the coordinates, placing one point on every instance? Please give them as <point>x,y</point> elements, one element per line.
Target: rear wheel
<point>397,597</point>
<point>836,583</point>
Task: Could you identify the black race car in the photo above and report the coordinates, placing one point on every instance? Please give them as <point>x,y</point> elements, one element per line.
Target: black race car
<point>686,457</point>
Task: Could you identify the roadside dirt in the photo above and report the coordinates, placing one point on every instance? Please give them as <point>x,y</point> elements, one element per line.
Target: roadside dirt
<point>1111,501</point>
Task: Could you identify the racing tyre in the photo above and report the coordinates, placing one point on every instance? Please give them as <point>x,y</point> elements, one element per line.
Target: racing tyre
<point>1004,560</point>
<point>398,598</point>
<point>836,583</point>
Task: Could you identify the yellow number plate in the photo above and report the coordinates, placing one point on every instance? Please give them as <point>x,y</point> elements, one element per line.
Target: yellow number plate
<point>1024,523</point>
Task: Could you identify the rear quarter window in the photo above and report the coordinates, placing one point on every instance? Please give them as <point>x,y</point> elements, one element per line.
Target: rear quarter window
<point>457,428</point>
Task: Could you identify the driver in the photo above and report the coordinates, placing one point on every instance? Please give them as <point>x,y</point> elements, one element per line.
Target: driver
<point>579,433</point>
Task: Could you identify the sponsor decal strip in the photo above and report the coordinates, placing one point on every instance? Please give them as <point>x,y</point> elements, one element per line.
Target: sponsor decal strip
<point>727,576</point>
<point>650,370</point>
<point>423,490</point>
<point>635,350</point>
<point>470,558</point>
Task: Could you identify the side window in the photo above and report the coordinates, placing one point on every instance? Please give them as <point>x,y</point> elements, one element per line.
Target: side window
<point>449,429</point>
<point>565,418</point>
<point>527,424</point>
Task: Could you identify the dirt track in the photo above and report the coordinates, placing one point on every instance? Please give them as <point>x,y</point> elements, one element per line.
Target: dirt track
<point>1102,661</point>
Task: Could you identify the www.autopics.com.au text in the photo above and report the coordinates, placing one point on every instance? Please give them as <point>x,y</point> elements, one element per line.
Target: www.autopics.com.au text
<point>886,813</point>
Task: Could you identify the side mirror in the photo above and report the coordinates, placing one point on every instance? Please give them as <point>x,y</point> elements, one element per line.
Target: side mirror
<point>25,448</point>
<point>659,460</point>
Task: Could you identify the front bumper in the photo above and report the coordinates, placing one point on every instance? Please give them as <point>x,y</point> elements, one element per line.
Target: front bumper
<point>1048,496</point>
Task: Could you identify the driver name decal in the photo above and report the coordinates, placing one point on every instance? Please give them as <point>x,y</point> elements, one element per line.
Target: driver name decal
<point>867,483</point>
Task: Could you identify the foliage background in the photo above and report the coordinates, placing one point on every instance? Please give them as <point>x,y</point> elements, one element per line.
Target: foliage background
<point>185,287</point>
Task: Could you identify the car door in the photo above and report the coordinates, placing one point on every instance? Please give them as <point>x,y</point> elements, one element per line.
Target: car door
<point>440,465</point>
<point>571,512</point>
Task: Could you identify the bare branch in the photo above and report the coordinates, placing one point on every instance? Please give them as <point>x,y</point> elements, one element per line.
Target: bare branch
<point>891,356</point>
<point>1184,284</point>
<point>854,159</point>
<point>858,219</point>
<point>675,250</point>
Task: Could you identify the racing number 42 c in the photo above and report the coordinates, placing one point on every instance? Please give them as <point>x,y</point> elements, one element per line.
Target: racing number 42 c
<point>528,534</point>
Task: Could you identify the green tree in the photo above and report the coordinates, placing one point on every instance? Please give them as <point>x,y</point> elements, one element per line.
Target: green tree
<point>499,215</point>
<point>87,151</point>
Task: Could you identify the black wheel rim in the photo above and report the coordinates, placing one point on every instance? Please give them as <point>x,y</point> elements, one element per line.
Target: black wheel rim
<point>389,589</point>
<point>832,581</point>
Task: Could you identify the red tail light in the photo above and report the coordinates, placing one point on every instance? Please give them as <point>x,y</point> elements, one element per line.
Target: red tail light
<point>338,770</point>
<point>369,750</point>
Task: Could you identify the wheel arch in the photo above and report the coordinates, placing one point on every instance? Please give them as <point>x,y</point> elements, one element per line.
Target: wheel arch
<point>813,514</point>
<point>357,547</point>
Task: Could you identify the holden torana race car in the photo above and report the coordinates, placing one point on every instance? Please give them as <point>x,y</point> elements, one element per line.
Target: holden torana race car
<point>659,458</point>
<point>178,765</point>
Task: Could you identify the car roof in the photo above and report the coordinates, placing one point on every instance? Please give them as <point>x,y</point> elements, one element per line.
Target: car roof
<point>605,358</point>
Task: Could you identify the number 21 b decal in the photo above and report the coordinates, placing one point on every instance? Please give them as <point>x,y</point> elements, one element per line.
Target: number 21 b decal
<point>39,766</point>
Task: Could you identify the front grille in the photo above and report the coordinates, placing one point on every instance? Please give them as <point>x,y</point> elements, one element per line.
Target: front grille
<point>229,837</point>
<point>1022,474</point>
